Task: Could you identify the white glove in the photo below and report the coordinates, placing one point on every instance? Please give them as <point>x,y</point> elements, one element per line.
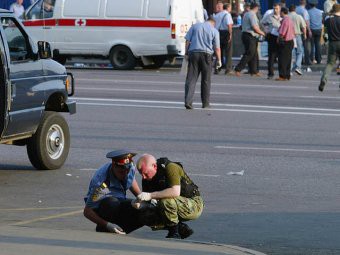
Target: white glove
<point>219,64</point>
<point>114,229</point>
<point>154,202</point>
<point>144,196</point>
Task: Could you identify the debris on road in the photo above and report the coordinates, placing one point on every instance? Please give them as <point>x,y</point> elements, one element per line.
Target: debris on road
<point>241,173</point>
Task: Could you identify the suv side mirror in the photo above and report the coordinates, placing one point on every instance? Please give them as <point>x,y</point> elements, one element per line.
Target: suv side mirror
<point>44,50</point>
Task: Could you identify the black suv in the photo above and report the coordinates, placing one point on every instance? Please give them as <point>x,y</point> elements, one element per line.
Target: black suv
<point>33,89</point>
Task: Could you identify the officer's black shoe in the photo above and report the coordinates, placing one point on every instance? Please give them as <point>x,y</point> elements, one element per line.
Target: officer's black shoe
<point>101,229</point>
<point>184,230</point>
<point>322,86</point>
<point>189,107</point>
<point>173,232</point>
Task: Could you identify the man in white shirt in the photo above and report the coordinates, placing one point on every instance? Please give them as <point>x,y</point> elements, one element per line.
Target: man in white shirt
<point>17,8</point>
<point>328,5</point>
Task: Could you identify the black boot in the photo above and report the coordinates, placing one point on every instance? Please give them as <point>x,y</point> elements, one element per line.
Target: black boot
<point>184,230</point>
<point>173,232</point>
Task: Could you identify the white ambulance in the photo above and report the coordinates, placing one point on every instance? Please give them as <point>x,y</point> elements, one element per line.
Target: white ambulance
<point>122,31</point>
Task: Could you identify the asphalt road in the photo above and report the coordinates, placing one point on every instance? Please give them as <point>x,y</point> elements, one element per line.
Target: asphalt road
<point>284,136</point>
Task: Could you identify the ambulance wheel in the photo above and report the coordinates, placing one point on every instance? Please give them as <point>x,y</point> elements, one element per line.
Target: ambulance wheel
<point>122,58</point>
<point>158,62</point>
<point>48,148</point>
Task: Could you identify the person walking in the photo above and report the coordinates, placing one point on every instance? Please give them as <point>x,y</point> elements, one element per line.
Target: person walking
<point>286,44</point>
<point>202,40</point>
<point>272,22</point>
<point>332,25</point>
<point>250,33</point>
<point>316,27</point>
<point>300,32</point>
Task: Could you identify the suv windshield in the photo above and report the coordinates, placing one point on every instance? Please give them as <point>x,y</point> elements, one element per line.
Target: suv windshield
<point>42,9</point>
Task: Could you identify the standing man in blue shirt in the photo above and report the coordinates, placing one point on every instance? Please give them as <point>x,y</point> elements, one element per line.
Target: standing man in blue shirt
<point>202,40</point>
<point>106,202</point>
<point>316,27</point>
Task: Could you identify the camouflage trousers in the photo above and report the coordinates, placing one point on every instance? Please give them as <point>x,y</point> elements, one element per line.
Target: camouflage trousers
<point>174,210</point>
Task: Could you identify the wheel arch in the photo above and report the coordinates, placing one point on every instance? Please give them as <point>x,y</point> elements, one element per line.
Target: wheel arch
<point>57,103</point>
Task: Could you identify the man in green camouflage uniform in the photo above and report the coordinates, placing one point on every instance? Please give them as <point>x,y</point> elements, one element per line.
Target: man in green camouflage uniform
<point>178,197</point>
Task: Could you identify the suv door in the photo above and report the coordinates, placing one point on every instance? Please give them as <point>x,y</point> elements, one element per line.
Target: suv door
<point>26,79</point>
<point>2,89</point>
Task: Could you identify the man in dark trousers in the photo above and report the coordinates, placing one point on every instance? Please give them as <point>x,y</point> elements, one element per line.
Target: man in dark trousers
<point>250,34</point>
<point>286,44</point>
<point>224,25</point>
<point>202,40</point>
<point>332,25</point>
<point>106,203</point>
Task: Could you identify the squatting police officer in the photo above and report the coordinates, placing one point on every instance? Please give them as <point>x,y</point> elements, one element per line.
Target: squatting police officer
<point>106,201</point>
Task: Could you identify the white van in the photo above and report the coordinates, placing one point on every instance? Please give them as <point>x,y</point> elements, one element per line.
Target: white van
<point>123,31</point>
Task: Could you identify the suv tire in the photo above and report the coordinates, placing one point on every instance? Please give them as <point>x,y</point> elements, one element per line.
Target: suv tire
<point>49,146</point>
<point>122,58</point>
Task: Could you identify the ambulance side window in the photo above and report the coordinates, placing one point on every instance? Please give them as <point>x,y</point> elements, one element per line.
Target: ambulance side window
<point>42,9</point>
<point>17,40</point>
<point>35,12</point>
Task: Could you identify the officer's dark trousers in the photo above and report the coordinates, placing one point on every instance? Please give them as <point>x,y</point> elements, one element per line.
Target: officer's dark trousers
<point>307,51</point>
<point>123,214</point>
<point>199,63</point>
<point>273,52</point>
<point>250,56</point>
<point>316,45</point>
<point>228,53</point>
<point>285,58</point>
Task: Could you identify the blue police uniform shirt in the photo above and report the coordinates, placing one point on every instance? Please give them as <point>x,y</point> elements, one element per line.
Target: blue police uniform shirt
<point>303,12</point>
<point>203,38</point>
<point>315,16</point>
<point>115,188</point>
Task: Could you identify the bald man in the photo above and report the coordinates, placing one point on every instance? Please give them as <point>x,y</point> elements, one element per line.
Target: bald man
<point>178,197</point>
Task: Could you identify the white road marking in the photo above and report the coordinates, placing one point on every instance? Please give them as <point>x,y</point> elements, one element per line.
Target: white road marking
<point>236,84</point>
<point>147,90</point>
<point>214,104</point>
<point>275,149</point>
<point>204,175</point>
<point>321,97</point>
<point>214,109</point>
<point>88,169</point>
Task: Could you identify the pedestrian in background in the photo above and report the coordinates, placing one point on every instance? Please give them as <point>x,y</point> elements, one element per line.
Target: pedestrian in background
<point>301,10</point>
<point>250,34</point>
<point>224,25</point>
<point>300,32</point>
<point>271,23</point>
<point>202,40</point>
<point>316,28</point>
<point>328,5</point>
<point>332,26</point>
<point>286,44</point>
<point>17,8</point>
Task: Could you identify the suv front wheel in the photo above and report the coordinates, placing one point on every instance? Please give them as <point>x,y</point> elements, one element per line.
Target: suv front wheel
<point>49,146</point>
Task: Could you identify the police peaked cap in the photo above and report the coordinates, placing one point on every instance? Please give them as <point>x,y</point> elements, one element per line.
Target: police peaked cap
<point>122,157</point>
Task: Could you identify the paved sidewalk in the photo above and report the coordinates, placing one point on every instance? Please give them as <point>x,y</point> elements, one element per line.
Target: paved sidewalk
<point>36,241</point>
